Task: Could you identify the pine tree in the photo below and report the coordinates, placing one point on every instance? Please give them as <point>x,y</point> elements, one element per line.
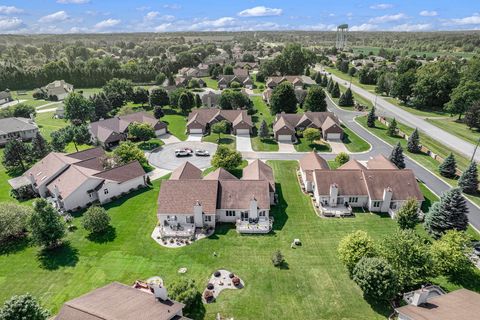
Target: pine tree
<point>324,82</point>
<point>336,91</point>
<point>318,78</point>
<point>330,85</point>
<point>371,118</point>
<point>15,154</point>
<point>198,101</point>
<point>413,144</point>
<point>447,214</point>
<point>468,181</point>
<point>448,168</point>
<point>392,128</point>
<point>263,131</point>
<point>346,99</point>
<point>40,147</point>
<point>396,157</point>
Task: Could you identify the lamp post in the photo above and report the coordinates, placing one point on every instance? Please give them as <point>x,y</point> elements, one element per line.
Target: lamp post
<point>475,150</point>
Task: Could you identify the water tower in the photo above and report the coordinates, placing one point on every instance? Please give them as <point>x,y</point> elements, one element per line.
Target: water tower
<point>342,31</point>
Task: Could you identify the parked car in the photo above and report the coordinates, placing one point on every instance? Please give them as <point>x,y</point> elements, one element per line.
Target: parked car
<point>188,150</point>
<point>182,153</point>
<point>202,153</point>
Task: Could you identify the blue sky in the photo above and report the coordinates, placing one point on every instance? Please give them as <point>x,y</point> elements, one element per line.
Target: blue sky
<point>75,16</point>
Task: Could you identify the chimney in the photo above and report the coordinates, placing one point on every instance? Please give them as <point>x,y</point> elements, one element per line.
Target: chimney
<point>387,198</point>
<point>160,291</point>
<point>420,297</point>
<point>32,118</point>
<point>198,214</point>
<point>56,192</point>
<point>253,208</point>
<point>31,178</point>
<point>333,194</point>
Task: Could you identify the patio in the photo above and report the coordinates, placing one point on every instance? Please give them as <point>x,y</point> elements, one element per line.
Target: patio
<point>339,211</point>
<point>260,226</point>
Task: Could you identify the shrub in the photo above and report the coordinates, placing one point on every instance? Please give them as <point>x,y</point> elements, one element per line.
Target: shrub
<point>354,247</point>
<point>24,307</point>
<point>13,220</point>
<point>342,158</point>
<point>96,219</point>
<point>277,259</point>
<point>376,278</point>
<point>184,291</point>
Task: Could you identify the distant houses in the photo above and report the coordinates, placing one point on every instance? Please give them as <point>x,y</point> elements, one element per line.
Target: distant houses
<point>202,70</point>
<point>298,82</point>
<point>210,99</point>
<point>110,132</point>
<point>200,120</point>
<point>56,90</point>
<point>24,129</point>
<point>5,97</point>
<point>287,125</point>
<point>226,81</point>
<point>76,180</point>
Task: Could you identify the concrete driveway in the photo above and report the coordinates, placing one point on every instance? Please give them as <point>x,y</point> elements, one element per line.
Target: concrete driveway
<point>164,158</point>
<point>286,146</point>
<point>194,137</point>
<point>244,143</point>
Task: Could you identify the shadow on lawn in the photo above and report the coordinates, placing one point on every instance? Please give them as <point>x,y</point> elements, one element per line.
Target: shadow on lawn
<point>468,279</point>
<point>126,197</point>
<point>280,209</point>
<point>103,237</point>
<point>62,256</point>
<point>14,246</point>
<point>197,309</point>
<point>380,307</point>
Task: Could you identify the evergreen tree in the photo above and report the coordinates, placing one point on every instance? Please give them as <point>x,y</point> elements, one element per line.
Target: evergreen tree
<point>198,101</point>
<point>58,141</point>
<point>315,100</point>
<point>330,85</point>
<point>346,99</point>
<point>318,78</point>
<point>158,112</point>
<point>468,181</point>
<point>396,157</point>
<point>15,154</point>
<point>448,168</point>
<point>335,91</point>
<point>413,144</point>
<point>40,147</point>
<point>392,128</point>
<point>371,118</point>
<point>450,213</point>
<point>24,307</point>
<point>263,131</point>
<point>324,81</point>
<point>407,215</point>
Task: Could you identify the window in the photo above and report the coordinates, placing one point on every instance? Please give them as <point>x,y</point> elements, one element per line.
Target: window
<point>189,219</point>
<point>353,199</point>
<point>105,191</point>
<point>261,214</point>
<point>208,218</point>
<point>376,204</point>
<point>230,213</point>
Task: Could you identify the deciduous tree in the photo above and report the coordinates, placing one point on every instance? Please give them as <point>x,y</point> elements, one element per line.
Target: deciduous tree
<point>407,215</point>
<point>354,247</point>
<point>376,277</point>
<point>226,158</point>
<point>46,224</point>
<point>23,307</point>
<point>315,100</point>
<point>283,99</point>
<point>96,219</point>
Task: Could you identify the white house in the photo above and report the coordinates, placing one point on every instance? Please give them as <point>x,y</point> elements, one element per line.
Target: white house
<point>17,128</point>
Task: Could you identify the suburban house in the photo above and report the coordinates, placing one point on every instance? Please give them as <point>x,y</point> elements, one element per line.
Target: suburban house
<point>210,99</point>
<point>17,128</point>
<point>298,82</point>
<point>117,301</point>
<point>225,81</point>
<point>200,71</point>
<point>183,81</point>
<point>57,90</point>
<point>377,185</point>
<point>246,65</point>
<point>200,120</point>
<point>300,94</point>
<point>432,303</point>
<point>5,97</point>
<point>187,201</point>
<point>76,180</point>
<point>286,125</point>
<point>110,132</point>
<point>241,72</point>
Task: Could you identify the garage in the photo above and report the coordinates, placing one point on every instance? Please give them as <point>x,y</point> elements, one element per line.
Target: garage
<point>160,132</point>
<point>243,131</point>
<point>196,131</point>
<point>334,136</point>
<point>284,137</point>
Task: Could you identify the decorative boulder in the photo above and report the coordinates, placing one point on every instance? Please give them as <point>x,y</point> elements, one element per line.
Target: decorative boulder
<point>208,296</point>
<point>210,286</point>
<point>217,274</point>
<point>236,281</point>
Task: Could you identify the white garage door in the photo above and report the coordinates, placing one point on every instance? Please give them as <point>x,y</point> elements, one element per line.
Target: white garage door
<point>284,137</point>
<point>161,131</point>
<point>196,131</point>
<point>243,131</point>
<point>333,136</point>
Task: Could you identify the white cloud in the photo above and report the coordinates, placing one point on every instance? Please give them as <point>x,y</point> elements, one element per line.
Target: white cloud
<point>155,15</point>
<point>143,8</point>
<point>10,10</point>
<point>317,27</point>
<point>381,6</point>
<point>54,17</point>
<point>471,20</point>
<point>164,27</point>
<point>167,17</point>
<point>412,27</point>
<point>105,24</point>
<point>217,24</point>
<point>10,24</point>
<point>388,18</point>
<point>331,14</point>
<point>73,1</point>
<point>172,6</point>
<point>260,11</point>
<point>426,13</point>
<point>364,27</point>
<point>152,15</point>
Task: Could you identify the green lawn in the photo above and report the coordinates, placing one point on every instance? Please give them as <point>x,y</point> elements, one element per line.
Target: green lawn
<point>457,128</point>
<point>211,83</point>
<point>346,78</point>
<point>47,123</point>
<point>268,144</point>
<point>177,123</point>
<point>360,99</point>
<point>305,146</point>
<point>417,112</point>
<point>353,142</point>
<point>225,139</point>
<point>262,113</point>
<point>425,160</point>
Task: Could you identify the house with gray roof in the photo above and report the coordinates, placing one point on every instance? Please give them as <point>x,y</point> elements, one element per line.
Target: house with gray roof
<point>189,201</point>
<point>24,129</point>
<point>5,97</point>
<point>225,81</point>
<point>76,180</point>
<point>57,90</point>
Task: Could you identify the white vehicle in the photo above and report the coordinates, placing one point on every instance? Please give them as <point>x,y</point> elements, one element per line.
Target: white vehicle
<point>182,153</point>
<point>202,153</point>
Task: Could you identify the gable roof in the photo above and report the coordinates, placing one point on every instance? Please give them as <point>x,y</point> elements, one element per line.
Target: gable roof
<point>204,116</point>
<point>313,161</point>
<point>259,170</point>
<point>237,194</point>
<point>220,174</point>
<point>380,162</point>
<point>118,302</point>
<point>314,119</point>
<point>352,164</point>
<point>11,125</point>
<point>348,182</point>
<point>186,171</point>
<point>402,182</point>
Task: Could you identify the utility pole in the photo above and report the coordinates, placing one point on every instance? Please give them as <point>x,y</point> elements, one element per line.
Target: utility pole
<point>475,150</point>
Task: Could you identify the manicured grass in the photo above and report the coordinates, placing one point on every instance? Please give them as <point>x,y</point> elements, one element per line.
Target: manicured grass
<point>177,123</point>
<point>358,98</point>
<point>150,144</point>
<point>333,164</point>
<point>268,144</point>
<point>353,142</point>
<point>304,146</point>
<point>28,96</point>
<point>346,78</point>
<point>424,159</point>
<point>237,172</point>
<point>417,112</point>
<point>457,128</point>
<point>211,83</point>
<point>225,139</point>
<point>47,124</point>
